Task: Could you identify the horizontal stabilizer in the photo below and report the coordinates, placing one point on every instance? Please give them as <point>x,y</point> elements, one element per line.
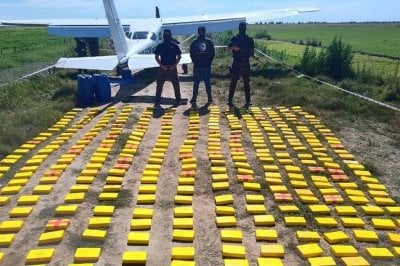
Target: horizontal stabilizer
<point>142,61</point>
<point>90,63</point>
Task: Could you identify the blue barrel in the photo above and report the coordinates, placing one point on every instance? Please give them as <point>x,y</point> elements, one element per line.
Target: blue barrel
<point>85,89</point>
<point>102,87</point>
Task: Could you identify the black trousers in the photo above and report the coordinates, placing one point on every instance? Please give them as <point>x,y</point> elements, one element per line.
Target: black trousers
<point>240,68</point>
<point>170,75</point>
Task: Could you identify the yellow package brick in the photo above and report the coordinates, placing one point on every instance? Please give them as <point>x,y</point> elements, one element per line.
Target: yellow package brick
<point>355,261</point>
<point>295,221</point>
<point>179,199</point>
<point>255,199</point>
<point>134,257</point>
<point>336,237</point>
<point>66,209</point>
<point>108,196</point>
<point>233,251</point>
<point>379,253</point>
<point>87,254</point>
<point>4,200</point>
<point>365,235</point>
<point>307,236</point>
<point>10,190</point>
<point>352,222</point>
<point>138,238</point>
<point>288,208</point>
<point>103,210</point>
<point>146,199</point>
<point>99,222</point>
<point>142,213</point>
<point>384,224</point>
<point>256,209</point>
<point>28,200</point>
<point>40,255</point>
<point>372,210</point>
<point>9,226</point>
<point>309,250</point>
<point>42,189</point>
<point>266,235</point>
<point>231,235</point>
<point>52,237</point>
<point>393,210</point>
<point>183,235</point>
<point>344,251</point>
<point>326,221</point>
<point>321,261</point>
<point>267,220</point>
<point>224,199</point>
<point>74,197</point>
<point>184,211</point>
<point>319,209</point>
<point>183,223</point>
<point>269,262</point>
<point>140,224</point>
<point>20,211</point>
<point>224,210</point>
<point>273,251</point>
<point>147,189</point>
<point>346,210</point>
<point>182,253</point>
<point>6,239</point>
<point>394,239</point>
<point>226,221</point>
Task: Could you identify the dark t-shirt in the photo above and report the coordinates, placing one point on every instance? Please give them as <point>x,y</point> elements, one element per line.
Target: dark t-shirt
<point>168,52</point>
<point>202,52</point>
<point>246,45</point>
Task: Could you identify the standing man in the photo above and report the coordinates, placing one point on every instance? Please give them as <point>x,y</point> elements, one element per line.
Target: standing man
<point>168,55</point>
<point>242,47</point>
<point>202,53</point>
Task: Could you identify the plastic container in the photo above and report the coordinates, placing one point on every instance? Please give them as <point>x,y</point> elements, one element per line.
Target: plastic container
<point>85,89</point>
<point>102,87</point>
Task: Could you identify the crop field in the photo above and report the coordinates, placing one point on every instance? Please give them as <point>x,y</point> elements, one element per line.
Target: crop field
<point>378,38</point>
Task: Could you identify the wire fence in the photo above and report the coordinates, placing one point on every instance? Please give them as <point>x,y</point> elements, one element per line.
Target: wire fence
<point>32,46</point>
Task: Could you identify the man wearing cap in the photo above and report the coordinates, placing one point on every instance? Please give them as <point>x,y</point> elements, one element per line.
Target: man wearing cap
<point>202,53</point>
<point>168,55</point>
<point>242,47</point>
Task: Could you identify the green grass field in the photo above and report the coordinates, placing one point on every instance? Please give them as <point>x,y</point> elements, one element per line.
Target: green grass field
<point>378,38</point>
<point>20,46</point>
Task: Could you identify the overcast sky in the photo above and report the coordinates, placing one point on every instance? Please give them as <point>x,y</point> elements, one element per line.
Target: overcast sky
<point>331,11</point>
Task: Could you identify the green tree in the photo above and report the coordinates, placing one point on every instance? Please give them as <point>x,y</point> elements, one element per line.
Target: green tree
<point>338,59</point>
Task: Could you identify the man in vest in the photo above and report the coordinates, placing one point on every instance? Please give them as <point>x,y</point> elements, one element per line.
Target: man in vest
<point>242,47</point>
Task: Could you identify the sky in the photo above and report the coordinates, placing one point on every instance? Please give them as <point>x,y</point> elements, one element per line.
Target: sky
<point>331,11</point>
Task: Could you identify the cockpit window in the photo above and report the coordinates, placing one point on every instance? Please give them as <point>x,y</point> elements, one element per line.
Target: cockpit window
<point>139,35</point>
<point>153,36</point>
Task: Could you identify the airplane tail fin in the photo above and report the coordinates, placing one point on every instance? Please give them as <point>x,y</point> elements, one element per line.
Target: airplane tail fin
<point>158,12</point>
<point>117,31</point>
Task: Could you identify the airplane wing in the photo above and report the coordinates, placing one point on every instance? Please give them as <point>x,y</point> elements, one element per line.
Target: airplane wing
<point>90,63</point>
<point>228,21</point>
<point>142,61</point>
<point>179,25</point>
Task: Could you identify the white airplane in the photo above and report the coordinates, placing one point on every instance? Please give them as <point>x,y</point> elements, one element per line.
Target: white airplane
<point>134,48</point>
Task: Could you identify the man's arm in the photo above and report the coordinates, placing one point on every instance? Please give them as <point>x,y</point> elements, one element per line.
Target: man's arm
<point>157,57</point>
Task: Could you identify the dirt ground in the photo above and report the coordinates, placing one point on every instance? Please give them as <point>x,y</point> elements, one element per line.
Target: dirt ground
<point>207,242</point>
